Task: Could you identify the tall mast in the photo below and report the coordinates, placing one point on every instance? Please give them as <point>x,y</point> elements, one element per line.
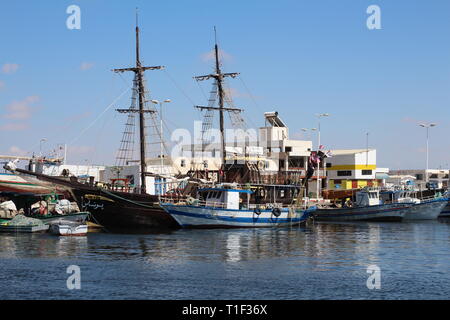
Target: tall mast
<point>221,96</point>
<point>219,78</point>
<point>139,76</point>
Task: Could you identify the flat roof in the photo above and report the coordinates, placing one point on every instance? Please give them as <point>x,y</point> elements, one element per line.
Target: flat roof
<point>224,189</point>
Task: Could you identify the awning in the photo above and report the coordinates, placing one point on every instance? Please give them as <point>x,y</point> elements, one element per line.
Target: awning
<point>381,176</point>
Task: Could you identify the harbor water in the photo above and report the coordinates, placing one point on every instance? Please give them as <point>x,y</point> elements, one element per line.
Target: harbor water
<point>321,261</point>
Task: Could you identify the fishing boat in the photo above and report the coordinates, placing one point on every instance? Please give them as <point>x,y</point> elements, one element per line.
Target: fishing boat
<point>367,206</point>
<point>22,224</point>
<point>66,229</point>
<point>229,207</point>
<point>428,208</point>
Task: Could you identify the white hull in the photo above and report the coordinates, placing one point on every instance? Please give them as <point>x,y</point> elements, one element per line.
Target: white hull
<point>203,217</point>
<point>69,230</point>
<point>426,210</point>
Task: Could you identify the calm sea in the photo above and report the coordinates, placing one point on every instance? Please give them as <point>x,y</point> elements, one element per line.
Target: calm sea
<point>322,261</point>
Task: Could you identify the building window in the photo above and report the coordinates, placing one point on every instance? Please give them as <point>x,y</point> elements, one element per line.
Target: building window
<point>419,176</point>
<point>344,173</point>
<point>288,149</point>
<point>366,172</point>
<point>329,165</point>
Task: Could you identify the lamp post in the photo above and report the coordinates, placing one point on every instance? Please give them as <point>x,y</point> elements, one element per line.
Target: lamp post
<point>161,129</point>
<point>40,146</point>
<point>427,126</point>
<point>319,115</point>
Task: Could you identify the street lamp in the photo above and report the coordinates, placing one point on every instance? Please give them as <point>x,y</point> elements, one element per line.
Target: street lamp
<point>306,129</point>
<point>40,146</point>
<point>427,126</point>
<point>161,117</point>
<point>319,115</point>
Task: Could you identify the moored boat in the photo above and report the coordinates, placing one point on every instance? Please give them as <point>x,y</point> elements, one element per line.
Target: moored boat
<point>225,208</point>
<point>66,229</point>
<point>421,208</point>
<point>426,209</point>
<point>367,207</point>
<point>22,224</point>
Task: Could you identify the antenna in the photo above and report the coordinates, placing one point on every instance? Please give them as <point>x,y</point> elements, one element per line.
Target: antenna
<point>137,17</point>
<point>215,35</point>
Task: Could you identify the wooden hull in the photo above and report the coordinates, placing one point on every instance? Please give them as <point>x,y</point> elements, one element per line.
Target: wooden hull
<point>118,210</point>
<point>22,184</point>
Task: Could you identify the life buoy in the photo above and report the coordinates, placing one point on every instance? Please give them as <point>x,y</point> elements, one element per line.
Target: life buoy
<point>260,165</point>
<point>276,212</point>
<point>257,211</point>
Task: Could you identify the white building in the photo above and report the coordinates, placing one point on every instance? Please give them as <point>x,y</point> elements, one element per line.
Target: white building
<point>437,177</point>
<point>352,169</point>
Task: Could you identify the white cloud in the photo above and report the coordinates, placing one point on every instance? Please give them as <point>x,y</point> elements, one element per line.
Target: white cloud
<point>86,66</point>
<point>14,127</point>
<point>16,151</point>
<point>10,67</point>
<point>21,109</point>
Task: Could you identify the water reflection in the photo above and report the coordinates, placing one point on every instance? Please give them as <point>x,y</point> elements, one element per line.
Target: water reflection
<point>40,245</point>
<point>322,245</point>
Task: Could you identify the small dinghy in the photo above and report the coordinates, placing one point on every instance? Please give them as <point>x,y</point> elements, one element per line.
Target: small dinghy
<point>66,229</point>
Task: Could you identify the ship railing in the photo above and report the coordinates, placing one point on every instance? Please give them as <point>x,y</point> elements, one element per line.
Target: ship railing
<point>193,202</point>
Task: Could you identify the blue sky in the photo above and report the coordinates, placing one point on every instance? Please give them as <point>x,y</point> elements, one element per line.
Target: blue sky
<point>297,57</point>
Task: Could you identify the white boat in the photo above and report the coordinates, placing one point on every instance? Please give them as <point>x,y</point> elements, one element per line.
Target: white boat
<point>421,209</point>
<point>426,209</point>
<point>367,207</point>
<point>225,208</point>
<point>69,229</point>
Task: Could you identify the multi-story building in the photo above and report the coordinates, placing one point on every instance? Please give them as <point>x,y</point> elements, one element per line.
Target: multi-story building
<point>352,169</point>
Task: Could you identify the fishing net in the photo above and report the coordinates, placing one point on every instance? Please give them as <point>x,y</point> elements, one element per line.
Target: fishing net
<point>21,220</point>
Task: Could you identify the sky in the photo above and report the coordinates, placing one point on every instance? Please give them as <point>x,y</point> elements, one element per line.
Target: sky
<point>299,58</point>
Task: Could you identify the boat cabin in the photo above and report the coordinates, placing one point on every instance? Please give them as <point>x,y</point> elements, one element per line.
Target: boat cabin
<point>225,198</point>
<point>399,196</point>
<point>366,198</point>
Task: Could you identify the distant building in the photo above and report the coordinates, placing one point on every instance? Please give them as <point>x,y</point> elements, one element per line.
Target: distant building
<point>352,169</point>
<point>436,177</point>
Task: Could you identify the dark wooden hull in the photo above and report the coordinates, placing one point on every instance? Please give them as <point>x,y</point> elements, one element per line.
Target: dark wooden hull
<point>118,210</point>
